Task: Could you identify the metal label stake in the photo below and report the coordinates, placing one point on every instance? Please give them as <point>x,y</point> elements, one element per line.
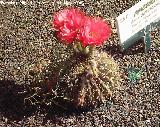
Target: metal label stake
<point>147,38</point>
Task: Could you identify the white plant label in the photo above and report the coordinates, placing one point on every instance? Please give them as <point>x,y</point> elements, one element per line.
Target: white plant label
<point>137,18</point>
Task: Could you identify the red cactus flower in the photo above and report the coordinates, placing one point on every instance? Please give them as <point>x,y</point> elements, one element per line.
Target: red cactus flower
<point>94,32</point>
<point>67,22</point>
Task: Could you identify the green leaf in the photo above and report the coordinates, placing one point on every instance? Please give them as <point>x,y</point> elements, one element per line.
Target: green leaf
<point>134,74</point>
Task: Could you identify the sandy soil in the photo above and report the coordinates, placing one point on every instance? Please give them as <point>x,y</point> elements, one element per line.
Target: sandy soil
<point>26,37</point>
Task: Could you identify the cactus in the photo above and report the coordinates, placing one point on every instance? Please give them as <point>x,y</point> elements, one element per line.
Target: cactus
<point>90,81</point>
<point>81,79</point>
<point>80,73</point>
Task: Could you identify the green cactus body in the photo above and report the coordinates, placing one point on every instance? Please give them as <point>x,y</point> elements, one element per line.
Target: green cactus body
<point>90,80</point>
<point>78,78</point>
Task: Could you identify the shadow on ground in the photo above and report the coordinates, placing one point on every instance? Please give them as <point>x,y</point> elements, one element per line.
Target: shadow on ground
<point>12,104</point>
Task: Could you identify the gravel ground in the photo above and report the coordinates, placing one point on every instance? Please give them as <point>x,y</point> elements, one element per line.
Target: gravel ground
<point>26,37</point>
